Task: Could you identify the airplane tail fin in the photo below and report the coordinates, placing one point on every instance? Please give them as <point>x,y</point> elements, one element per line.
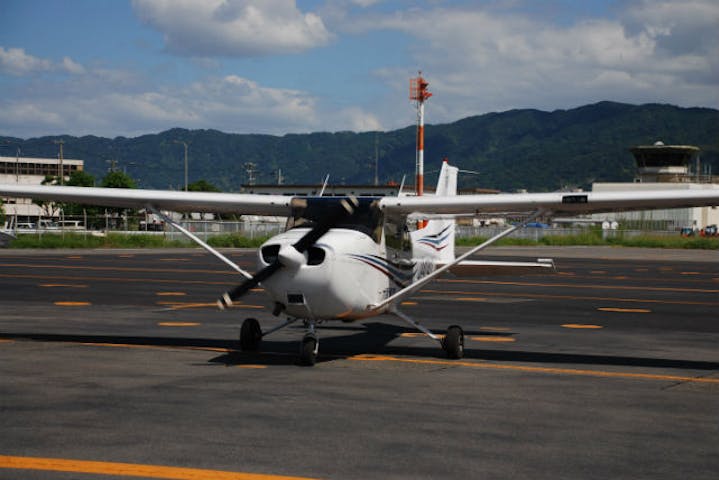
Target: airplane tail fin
<point>436,241</point>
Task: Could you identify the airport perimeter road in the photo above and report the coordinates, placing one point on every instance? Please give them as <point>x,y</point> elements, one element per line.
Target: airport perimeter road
<point>116,364</point>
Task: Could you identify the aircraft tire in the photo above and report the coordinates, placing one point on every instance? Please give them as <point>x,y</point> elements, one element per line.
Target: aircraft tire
<point>250,335</point>
<point>453,343</point>
<point>308,350</point>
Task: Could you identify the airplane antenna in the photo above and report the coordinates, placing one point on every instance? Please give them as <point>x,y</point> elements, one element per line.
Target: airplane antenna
<point>324,184</point>
<point>401,185</point>
<point>418,93</point>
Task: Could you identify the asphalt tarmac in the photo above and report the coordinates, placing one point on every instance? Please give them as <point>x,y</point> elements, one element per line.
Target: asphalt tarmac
<point>115,364</point>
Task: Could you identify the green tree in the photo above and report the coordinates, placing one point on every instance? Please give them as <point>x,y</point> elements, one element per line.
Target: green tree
<point>49,209</point>
<point>117,179</point>
<point>80,178</point>
<point>202,186</point>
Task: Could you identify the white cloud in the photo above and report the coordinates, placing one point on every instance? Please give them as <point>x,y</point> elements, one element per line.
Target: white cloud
<point>15,61</point>
<point>479,60</point>
<point>233,27</point>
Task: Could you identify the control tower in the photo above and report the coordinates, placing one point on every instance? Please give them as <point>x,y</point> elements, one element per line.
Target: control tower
<point>661,163</point>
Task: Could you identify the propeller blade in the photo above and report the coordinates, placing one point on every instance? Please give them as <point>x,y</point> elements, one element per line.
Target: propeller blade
<point>343,209</point>
<point>233,295</point>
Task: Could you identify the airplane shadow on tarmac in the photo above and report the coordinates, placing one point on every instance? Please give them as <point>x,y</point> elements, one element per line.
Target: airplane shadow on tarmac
<point>358,339</point>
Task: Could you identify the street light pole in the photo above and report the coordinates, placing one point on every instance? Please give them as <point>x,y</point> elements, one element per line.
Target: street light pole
<point>185,144</point>
<point>62,172</point>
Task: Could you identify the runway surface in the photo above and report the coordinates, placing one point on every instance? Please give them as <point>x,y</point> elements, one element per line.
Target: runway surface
<point>115,364</point>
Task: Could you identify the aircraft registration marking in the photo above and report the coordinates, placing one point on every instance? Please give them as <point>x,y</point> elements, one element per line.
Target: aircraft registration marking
<point>131,469</point>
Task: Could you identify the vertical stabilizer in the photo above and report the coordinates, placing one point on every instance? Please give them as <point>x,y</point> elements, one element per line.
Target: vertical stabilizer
<point>436,241</point>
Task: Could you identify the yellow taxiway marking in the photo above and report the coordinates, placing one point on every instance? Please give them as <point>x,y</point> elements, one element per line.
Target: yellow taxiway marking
<point>495,329</point>
<point>161,347</point>
<point>598,272</point>
<point>115,269</point>
<point>690,273</point>
<point>61,285</point>
<point>582,326</point>
<point>170,294</point>
<point>523,368</point>
<point>174,259</point>
<point>624,310</point>
<point>252,366</point>
<point>492,338</point>
<point>408,303</point>
<point>126,255</point>
<point>72,304</point>
<point>130,469</point>
<point>585,286</point>
<point>570,297</point>
<point>181,305</point>
<point>471,299</point>
<point>257,289</point>
<point>5,340</point>
<point>417,334</point>
<point>178,324</point>
<point>74,257</point>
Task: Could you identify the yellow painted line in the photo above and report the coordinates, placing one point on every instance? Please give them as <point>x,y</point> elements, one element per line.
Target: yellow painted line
<point>495,329</point>
<point>582,326</point>
<point>252,366</point>
<point>597,272</point>
<point>585,286</point>
<point>572,297</point>
<point>4,340</point>
<point>417,334</point>
<point>61,285</point>
<point>471,299</point>
<point>120,279</point>
<point>690,273</point>
<point>174,259</point>
<point>116,269</point>
<point>641,269</point>
<point>161,347</point>
<point>181,305</point>
<point>72,304</point>
<point>408,303</point>
<point>126,255</point>
<point>522,368</point>
<point>130,469</point>
<point>178,324</point>
<point>170,294</point>
<point>495,339</point>
<point>257,289</point>
<point>624,310</point>
<point>74,257</point>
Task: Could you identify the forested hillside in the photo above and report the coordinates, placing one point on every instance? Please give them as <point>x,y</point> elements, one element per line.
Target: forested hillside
<point>516,149</point>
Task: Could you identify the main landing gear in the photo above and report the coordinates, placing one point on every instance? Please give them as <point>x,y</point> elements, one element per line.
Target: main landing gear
<point>251,335</point>
<point>452,343</point>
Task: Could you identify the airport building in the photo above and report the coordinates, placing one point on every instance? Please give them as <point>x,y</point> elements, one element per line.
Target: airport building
<point>664,167</point>
<point>32,171</point>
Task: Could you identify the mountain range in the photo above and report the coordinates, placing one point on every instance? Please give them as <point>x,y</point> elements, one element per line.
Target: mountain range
<point>516,149</point>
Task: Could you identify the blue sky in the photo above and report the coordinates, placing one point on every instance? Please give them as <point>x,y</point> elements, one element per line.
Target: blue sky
<point>114,67</point>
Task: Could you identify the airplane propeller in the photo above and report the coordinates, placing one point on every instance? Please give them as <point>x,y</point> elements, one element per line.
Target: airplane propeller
<point>286,257</point>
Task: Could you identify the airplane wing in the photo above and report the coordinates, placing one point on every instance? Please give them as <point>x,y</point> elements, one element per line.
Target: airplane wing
<point>174,201</point>
<point>556,203</point>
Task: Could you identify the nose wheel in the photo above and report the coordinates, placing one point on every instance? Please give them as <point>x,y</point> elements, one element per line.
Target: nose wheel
<point>250,335</point>
<point>308,349</point>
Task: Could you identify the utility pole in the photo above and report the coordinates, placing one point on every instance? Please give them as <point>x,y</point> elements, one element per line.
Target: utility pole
<point>185,144</point>
<point>62,171</point>
<point>376,160</point>
<point>250,169</point>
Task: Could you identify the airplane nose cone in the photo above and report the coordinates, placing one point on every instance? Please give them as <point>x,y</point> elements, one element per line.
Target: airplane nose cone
<point>289,257</point>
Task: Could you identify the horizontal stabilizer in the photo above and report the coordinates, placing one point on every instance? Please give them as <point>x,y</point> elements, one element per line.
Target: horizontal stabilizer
<point>482,268</point>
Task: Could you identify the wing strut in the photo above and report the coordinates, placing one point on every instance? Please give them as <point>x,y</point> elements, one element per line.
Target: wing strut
<point>424,280</point>
<point>199,241</point>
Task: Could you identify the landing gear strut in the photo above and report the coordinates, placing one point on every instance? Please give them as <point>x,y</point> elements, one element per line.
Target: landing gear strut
<point>310,345</point>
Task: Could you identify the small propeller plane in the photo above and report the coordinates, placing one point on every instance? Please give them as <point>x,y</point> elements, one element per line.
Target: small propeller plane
<point>346,258</point>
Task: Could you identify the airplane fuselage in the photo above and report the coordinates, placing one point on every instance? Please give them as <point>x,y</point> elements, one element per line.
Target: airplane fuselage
<point>341,281</point>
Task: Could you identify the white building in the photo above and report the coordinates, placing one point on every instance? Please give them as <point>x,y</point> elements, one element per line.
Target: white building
<point>31,171</point>
<point>664,167</point>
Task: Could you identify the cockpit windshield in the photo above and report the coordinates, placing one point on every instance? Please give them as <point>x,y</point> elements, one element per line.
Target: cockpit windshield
<point>367,218</point>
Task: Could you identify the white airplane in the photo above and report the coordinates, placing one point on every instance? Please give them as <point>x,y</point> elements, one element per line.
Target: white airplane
<point>352,258</point>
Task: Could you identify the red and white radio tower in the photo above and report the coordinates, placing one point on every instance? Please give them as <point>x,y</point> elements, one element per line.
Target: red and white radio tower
<point>418,93</point>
